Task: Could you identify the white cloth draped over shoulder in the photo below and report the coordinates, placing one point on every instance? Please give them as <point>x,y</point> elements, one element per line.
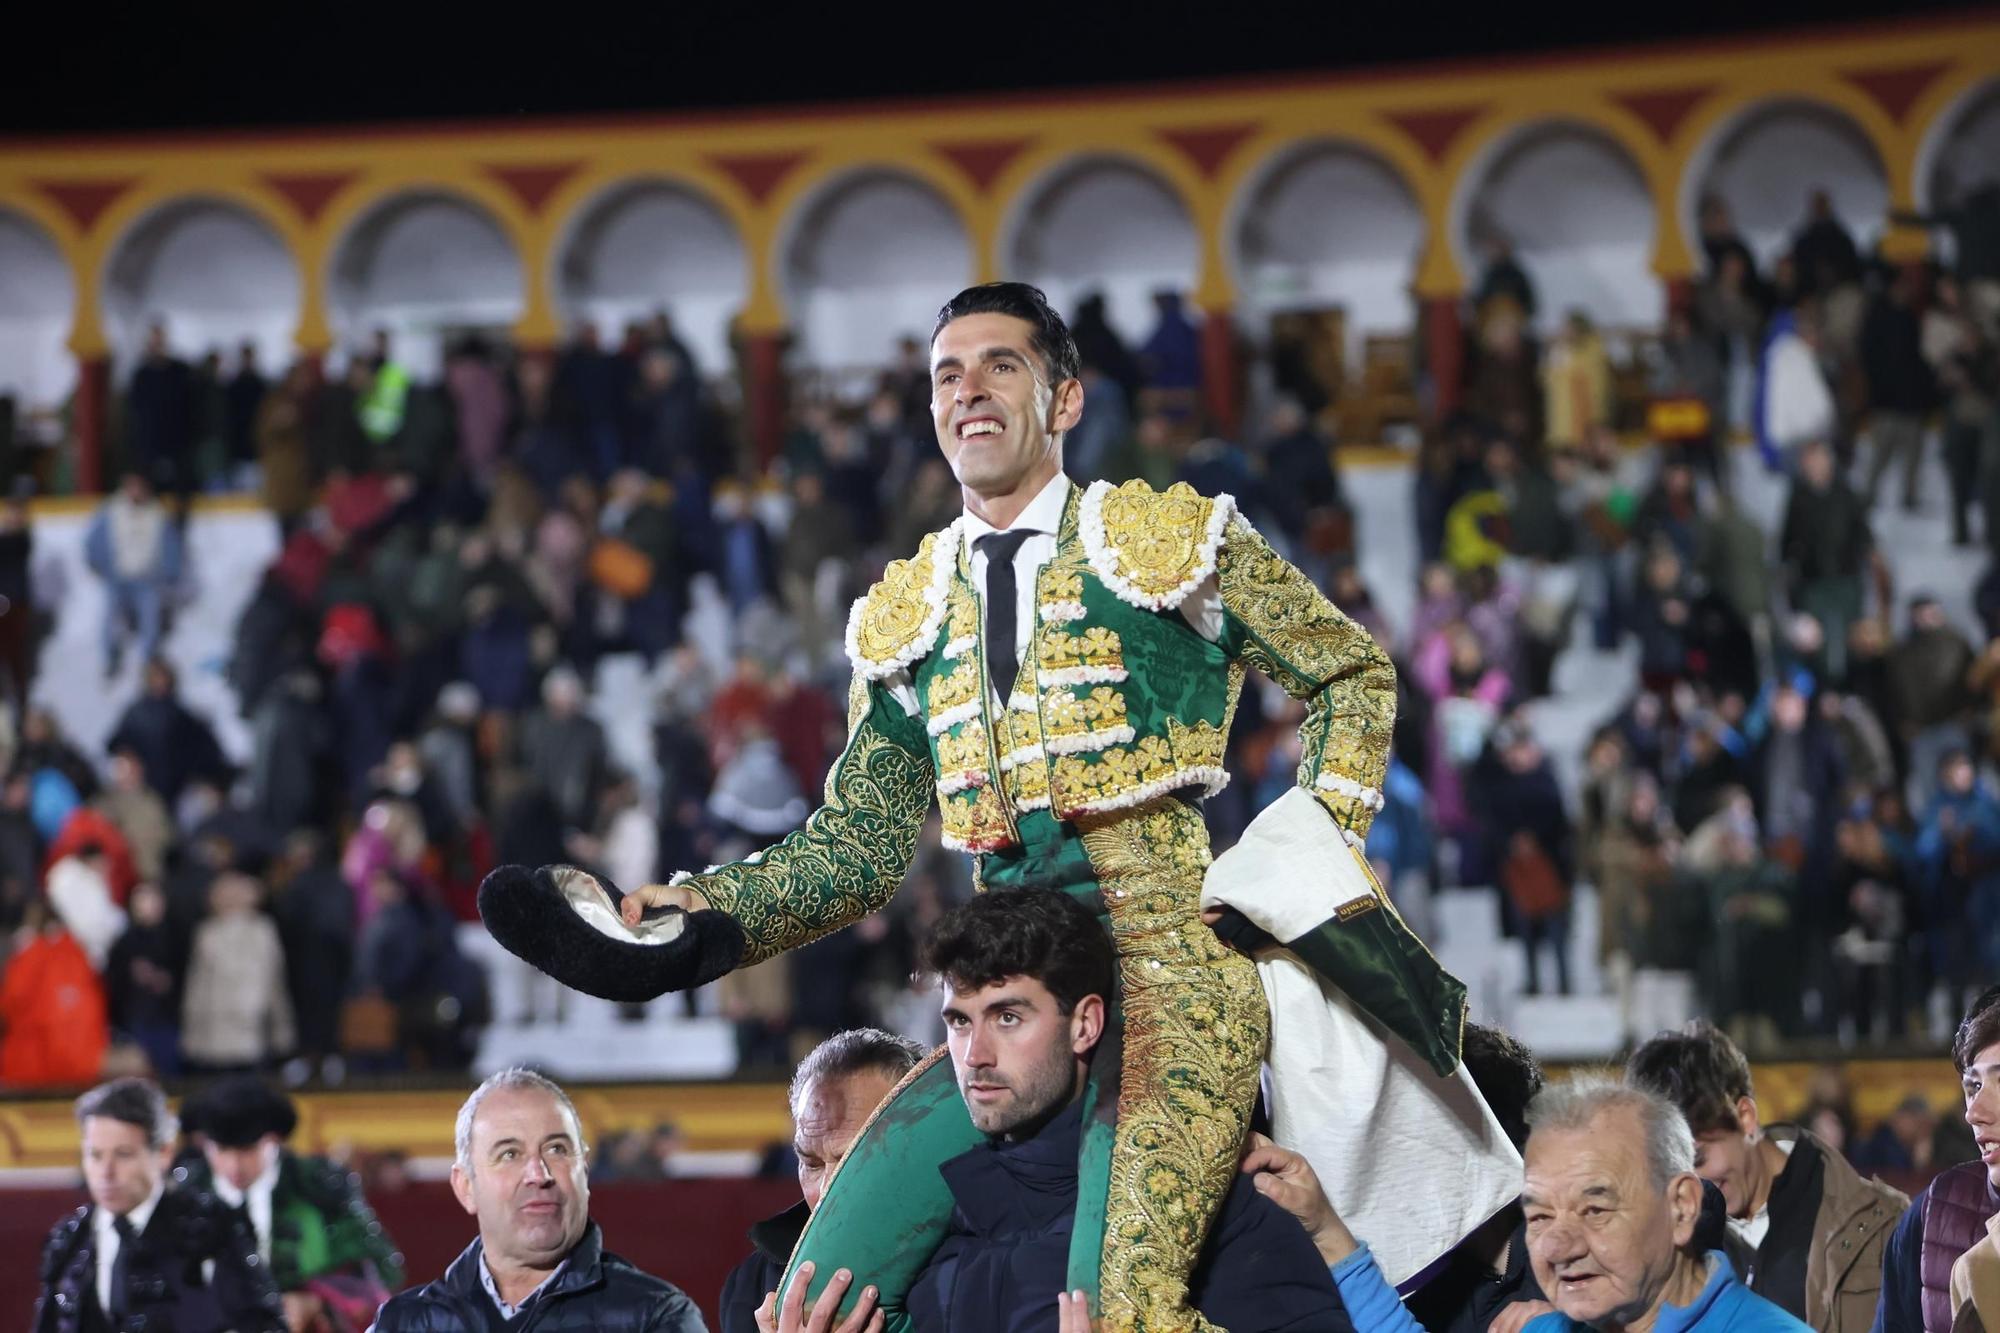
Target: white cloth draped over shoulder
<point>1412,1162</point>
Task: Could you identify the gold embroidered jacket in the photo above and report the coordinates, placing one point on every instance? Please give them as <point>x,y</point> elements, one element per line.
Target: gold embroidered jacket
<point>1119,700</point>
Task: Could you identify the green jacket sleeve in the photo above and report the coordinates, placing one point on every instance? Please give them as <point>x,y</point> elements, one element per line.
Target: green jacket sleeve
<point>851,856</point>
<point>1276,620</point>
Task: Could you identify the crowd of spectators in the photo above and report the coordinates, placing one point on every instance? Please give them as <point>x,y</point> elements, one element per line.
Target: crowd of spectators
<point>1799,775</point>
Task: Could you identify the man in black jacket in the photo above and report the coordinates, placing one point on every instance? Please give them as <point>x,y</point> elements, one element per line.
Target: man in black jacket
<point>1025,975</point>
<point>834,1090</point>
<point>141,1255</point>
<point>1488,1273</point>
<point>539,1260</point>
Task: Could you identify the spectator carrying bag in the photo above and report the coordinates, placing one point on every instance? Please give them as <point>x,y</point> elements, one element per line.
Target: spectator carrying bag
<point>1533,884</point>
<point>620,568</point>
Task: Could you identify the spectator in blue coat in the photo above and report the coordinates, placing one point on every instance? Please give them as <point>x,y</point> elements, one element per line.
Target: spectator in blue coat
<point>1958,857</point>
<point>1172,354</point>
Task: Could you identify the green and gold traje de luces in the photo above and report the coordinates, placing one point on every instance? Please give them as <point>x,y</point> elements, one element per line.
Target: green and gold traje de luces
<point>1083,779</point>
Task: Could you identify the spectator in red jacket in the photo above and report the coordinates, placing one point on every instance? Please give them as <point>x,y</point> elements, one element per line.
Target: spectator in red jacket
<point>52,1005</point>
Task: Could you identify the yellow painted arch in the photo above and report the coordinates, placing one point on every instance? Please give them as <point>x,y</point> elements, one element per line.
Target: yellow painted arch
<point>595,185</point>
<point>31,206</point>
<point>1932,119</point>
<point>1030,176</point>
<point>157,194</point>
<point>827,171</point>
<point>86,331</point>
<point>573,203</point>
<point>1299,136</point>
<point>363,198</point>
<point>1712,124</point>
<point>1487,139</point>
<point>1259,158</point>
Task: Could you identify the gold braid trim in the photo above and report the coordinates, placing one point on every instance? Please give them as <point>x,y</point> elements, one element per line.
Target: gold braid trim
<point>1294,635</point>
<point>847,861</point>
<point>1196,1028</point>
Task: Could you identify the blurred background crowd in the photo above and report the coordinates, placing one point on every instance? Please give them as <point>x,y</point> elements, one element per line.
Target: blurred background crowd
<point>1789,802</point>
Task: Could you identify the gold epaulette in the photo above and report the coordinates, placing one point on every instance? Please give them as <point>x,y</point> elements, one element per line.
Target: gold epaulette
<point>895,622</point>
<point>1152,548</point>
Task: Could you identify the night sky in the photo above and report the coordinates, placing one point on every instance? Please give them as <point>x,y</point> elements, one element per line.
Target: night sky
<point>90,68</point>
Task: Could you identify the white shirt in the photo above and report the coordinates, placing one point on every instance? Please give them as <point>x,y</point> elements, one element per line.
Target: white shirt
<point>108,1243</point>
<point>1202,609</point>
<point>1752,1230</point>
<point>256,1201</point>
<point>507,1311</point>
<point>1043,517</point>
<point>83,903</point>
<point>1798,405</point>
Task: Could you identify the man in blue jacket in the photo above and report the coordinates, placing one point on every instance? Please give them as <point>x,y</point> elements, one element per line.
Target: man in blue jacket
<point>1618,1228</point>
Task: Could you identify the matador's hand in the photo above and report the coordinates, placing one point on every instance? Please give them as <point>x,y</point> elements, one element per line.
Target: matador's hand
<point>640,901</point>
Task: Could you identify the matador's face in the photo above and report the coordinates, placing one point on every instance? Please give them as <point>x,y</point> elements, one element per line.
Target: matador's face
<point>999,420</point>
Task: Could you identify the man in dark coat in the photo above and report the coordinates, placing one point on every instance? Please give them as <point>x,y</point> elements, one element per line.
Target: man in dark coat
<point>520,1170</point>
<point>175,746</point>
<point>315,1234</point>
<point>1807,1230</point>
<point>834,1090</point>
<point>1902,389</point>
<point>1489,1270</point>
<point>159,417</point>
<point>1825,547</point>
<point>1823,251</point>
<point>142,1255</point>
<point>1025,975</point>
<point>314,908</point>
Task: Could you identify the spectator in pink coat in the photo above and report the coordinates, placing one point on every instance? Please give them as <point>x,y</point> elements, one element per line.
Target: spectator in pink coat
<point>1467,695</point>
<point>479,397</point>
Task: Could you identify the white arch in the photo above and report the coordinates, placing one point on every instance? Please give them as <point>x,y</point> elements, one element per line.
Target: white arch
<point>1328,224</point>
<point>868,259</point>
<point>425,267</point>
<point>1577,211</point>
<point>37,305</point>
<point>1961,149</point>
<point>1103,224</point>
<point>213,273</point>
<point>1765,161</point>
<point>648,245</point>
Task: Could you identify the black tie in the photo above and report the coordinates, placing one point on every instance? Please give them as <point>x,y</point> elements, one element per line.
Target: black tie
<point>1003,660</point>
<point>120,1263</point>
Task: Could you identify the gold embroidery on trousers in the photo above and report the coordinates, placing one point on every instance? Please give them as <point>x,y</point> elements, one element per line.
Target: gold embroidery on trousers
<point>1196,1029</point>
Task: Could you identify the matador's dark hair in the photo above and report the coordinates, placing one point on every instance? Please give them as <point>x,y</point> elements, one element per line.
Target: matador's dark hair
<point>1051,338</point>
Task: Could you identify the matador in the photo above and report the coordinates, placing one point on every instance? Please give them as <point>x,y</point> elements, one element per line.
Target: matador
<point>1057,670</point>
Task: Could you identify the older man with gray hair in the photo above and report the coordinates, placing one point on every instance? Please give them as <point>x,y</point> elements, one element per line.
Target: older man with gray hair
<point>834,1091</point>
<point>1612,1201</point>
<point>521,1170</point>
<point>1612,1206</point>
